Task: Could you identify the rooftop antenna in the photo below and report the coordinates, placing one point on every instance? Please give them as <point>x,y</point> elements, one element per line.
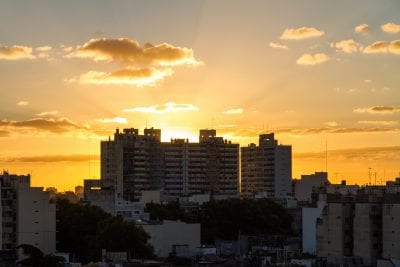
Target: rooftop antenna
<point>326,155</point>
<point>375,178</point>
<point>369,175</point>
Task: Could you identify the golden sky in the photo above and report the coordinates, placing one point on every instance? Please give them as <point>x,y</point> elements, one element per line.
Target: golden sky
<point>317,73</point>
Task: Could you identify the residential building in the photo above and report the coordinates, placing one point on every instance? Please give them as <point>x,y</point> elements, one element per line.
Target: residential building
<point>134,163</point>
<point>266,168</point>
<point>28,216</point>
<point>303,187</point>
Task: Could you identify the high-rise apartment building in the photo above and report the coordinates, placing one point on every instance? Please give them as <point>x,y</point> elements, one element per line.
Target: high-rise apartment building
<point>28,216</point>
<point>137,163</point>
<point>133,162</point>
<point>266,168</point>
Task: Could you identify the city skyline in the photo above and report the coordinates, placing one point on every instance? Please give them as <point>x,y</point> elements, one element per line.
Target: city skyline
<point>320,75</point>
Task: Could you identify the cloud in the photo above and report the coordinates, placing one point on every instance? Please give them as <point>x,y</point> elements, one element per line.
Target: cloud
<point>385,123</point>
<point>130,51</point>
<point>52,158</point>
<point>356,154</point>
<point>394,47</point>
<point>48,113</point>
<point>368,81</point>
<point>15,52</point>
<point>311,60</point>
<point>331,123</point>
<point>163,108</point>
<point>23,103</point>
<point>114,120</point>
<point>4,133</point>
<point>332,130</point>
<point>362,28</point>
<point>48,125</point>
<point>138,77</point>
<point>391,28</point>
<point>350,91</point>
<point>233,111</point>
<point>376,47</point>
<point>43,48</point>
<point>378,110</point>
<point>347,46</point>
<point>278,46</point>
<point>301,33</point>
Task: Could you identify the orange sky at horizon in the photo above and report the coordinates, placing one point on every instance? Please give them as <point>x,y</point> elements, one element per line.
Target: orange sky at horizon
<point>315,73</point>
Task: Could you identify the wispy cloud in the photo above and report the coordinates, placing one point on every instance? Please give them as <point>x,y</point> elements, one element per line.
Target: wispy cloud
<point>48,113</point>
<point>311,60</point>
<point>378,110</point>
<point>52,158</point>
<point>163,108</point>
<point>346,46</point>
<point>391,28</point>
<point>331,123</point>
<point>358,154</point>
<point>114,120</point>
<point>278,46</point>
<point>4,133</point>
<point>362,28</point>
<point>22,103</point>
<point>138,77</point>
<point>45,48</point>
<point>15,52</point>
<point>301,33</point>
<point>385,123</point>
<point>61,125</point>
<point>233,111</point>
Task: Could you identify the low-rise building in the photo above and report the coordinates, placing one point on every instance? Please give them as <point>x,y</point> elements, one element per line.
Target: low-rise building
<point>167,235</point>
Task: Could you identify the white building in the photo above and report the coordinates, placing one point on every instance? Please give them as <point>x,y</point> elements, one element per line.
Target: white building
<point>166,235</point>
<point>309,222</point>
<point>28,215</point>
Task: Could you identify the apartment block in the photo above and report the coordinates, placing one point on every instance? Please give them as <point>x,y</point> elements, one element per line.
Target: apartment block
<point>266,168</point>
<point>135,163</point>
<point>28,215</point>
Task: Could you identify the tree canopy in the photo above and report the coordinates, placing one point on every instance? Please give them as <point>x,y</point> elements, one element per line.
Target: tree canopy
<point>85,230</point>
<point>224,219</point>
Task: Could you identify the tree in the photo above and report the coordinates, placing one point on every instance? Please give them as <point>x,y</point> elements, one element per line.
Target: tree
<point>224,219</point>
<point>84,230</point>
<point>36,258</point>
<point>171,211</point>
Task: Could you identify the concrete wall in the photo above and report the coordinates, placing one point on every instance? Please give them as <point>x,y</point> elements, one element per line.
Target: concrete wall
<point>309,222</point>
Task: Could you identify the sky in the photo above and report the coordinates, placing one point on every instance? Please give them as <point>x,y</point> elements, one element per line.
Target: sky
<point>323,75</point>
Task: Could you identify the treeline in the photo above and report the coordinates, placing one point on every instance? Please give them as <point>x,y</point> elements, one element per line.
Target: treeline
<point>84,230</point>
<point>225,219</point>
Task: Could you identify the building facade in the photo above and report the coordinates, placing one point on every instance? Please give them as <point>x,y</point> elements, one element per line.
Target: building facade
<point>28,216</point>
<point>266,168</point>
<point>135,163</point>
